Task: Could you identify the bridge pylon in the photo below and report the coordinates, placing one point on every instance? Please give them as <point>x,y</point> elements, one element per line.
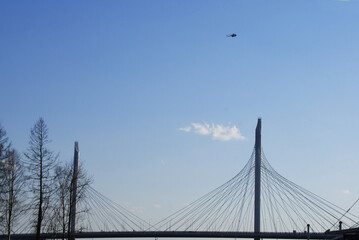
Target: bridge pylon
<point>257,186</point>
<point>74,190</point>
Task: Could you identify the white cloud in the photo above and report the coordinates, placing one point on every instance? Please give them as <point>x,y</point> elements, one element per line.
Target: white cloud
<point>226,133</point>
<point>200,129</point>
<point>157,206</point>
<point>217,131</point>
<point>137,210</point>
<point>346,191</point>
<point>185,129</point>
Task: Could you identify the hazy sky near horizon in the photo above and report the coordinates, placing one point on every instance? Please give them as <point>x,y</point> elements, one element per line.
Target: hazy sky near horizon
<point>164,105</point>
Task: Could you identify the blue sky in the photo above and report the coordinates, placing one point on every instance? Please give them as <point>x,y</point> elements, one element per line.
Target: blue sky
<point>124,77</point>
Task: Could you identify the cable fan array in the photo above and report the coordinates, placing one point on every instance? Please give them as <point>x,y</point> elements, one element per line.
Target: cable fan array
<point>95,213</point>
<point>285,206</point>
<point>106,215</point>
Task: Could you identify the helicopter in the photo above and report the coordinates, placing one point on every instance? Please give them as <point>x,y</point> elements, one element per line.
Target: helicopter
<point>232,35</point>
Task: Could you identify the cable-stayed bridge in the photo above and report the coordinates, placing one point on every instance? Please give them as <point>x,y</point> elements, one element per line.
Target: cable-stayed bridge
<point>256,203</point>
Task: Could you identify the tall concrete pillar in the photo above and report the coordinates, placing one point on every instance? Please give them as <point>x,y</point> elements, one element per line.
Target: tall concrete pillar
<point>257,172</point>
<point>74,189</point>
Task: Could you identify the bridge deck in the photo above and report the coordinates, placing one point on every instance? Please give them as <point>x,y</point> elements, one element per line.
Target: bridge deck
<point>183,234</point>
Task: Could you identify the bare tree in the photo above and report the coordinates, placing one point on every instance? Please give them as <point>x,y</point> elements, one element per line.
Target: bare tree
<point>4,150</point>
<point>40,163</point>
<point>65,178</point>
<point>4,143</point>
<point>14,190</point>
<point>12,183</point>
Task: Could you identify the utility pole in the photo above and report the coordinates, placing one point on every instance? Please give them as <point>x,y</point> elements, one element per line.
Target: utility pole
<point>74,189</point>
<point>257,172</point>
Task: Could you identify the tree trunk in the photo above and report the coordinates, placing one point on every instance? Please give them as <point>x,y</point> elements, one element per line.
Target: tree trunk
<point>10,204</point>
<point>39,216</point>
